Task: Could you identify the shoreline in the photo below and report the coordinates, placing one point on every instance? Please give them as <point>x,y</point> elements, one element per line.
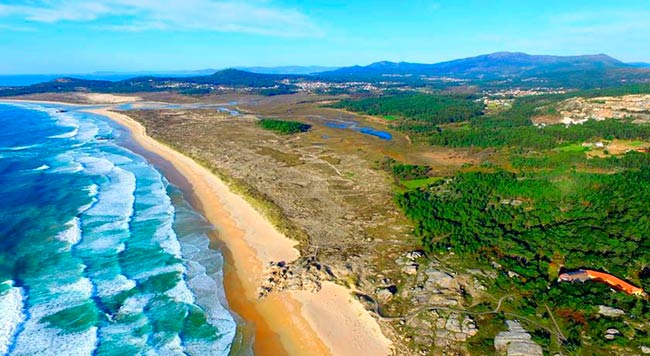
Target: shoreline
<point>327,322</point>
<point>48,102</point>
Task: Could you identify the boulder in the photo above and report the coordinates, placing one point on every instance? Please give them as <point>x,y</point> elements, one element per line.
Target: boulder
<point>453,324</point>
<point>440,280</point>
<point>516,341</point>
<point>410,269</point>
<point>409,258</point>
<point>609,311</point>
<point>612,334</point>
<point>385,294</point>
<point>468,326</point>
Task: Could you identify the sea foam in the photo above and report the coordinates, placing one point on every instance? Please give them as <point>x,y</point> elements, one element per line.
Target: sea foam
<point>11,305</point>
<point>39,337</point>
<point>72,234</point>
<point>124,233</point>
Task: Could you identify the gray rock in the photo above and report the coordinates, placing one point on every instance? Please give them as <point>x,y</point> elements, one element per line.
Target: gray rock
<point>609,311</point>
<point>440,300</point>
<point>385,294</point>
<point>453,324</point>
<point>524,349</point>
<point>512,274</point>
<point>414,255</point>
<point>468,326</point>
<point>440,280</point>
<point>410,269</point>
<point>612,334</point>
<point>409,258</point>
<point>442,338</point>
<point>516,341</point>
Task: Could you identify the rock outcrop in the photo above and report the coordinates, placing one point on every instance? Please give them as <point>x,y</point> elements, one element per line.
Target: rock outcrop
<point>302,274</point>
<point>579,110</point>
<point>447,332</point>
<point>516,341</point>
<point>612,334</point>
<point>645,350</point>
<point>609,311</point>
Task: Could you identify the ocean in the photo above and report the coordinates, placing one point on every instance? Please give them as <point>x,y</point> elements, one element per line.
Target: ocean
<point>99,253</point>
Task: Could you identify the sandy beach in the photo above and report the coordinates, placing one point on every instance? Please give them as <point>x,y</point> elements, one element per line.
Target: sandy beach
<point>329,322</point>
<point>86,99</point>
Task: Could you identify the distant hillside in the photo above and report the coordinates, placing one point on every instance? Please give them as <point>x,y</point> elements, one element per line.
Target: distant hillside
<point>60,85</point>
<point>228,77</point>
<point>492,71</point>
<point>501,64</point>
<point>288,69</point>
<point>174,73</point>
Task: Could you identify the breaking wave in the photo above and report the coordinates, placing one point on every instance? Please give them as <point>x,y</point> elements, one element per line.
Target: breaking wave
<point>110,258</point>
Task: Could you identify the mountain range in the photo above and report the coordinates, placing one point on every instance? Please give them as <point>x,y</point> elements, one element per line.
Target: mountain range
<point>500,64</point>
<point>502,69</point>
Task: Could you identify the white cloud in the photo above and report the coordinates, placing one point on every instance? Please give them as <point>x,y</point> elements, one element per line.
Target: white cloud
<point>255,17</point>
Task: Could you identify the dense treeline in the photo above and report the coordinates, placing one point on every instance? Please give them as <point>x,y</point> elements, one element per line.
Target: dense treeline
<point>514,128</point>
<point>402,171</point>
<point>601,221</point>
<point>539,137</point>
<point>285,127</point>
<point>534,223</point>
<point>428,115</point>
<point>565,160</point>
<point>641,88</point>
<point>434,109</point>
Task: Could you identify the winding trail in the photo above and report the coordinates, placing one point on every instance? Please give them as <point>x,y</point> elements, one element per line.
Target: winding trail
<point>408,317</point>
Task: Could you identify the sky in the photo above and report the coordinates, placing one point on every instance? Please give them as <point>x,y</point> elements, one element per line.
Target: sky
<point>68,36</point>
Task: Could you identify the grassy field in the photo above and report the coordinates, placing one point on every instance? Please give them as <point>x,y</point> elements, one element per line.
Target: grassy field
<point>573,148</point>
<point>419,183</point>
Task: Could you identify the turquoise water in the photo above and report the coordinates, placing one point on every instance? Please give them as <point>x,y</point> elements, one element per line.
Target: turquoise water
<point>99,254</point>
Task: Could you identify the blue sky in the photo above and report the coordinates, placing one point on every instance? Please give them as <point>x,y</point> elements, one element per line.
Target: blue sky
<point>68,36</point>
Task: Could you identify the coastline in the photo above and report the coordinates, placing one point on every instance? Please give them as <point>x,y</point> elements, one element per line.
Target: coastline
<point>48,102</point>
<point>330,321</point>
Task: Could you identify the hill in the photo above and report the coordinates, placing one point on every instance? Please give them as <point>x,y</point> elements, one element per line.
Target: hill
<point>300,70</point>
<point>500,64</point>
<point>229,77</point>
<point>492,71</point>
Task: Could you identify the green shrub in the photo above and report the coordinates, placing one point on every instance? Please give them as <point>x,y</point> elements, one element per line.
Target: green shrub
<point>284,127</point>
